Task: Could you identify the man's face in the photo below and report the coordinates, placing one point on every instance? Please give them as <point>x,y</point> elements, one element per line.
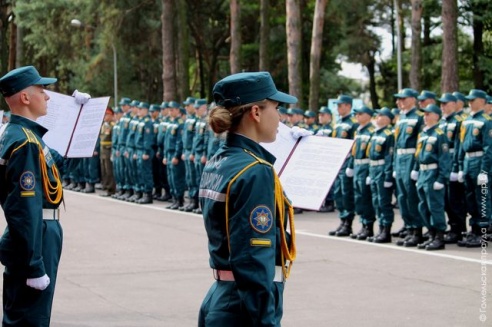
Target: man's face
<point>324,118</point>
<point>448,107</point>
<point>38,100</point>
<point>405,103</point>
<point>477,104</point>
<point>430,118</point>
<point>344,109</point>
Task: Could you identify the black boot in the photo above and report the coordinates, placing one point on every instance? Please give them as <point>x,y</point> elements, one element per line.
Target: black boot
<point>334,232</point>
<point>368,232</point>
<point>157,194</point>
<point>145,199</point>
<point>409,232</point>
<point>372,238</point>
<point>175,201</point>
<point>384,236</point>
<point>192,206</point>
<point>137,196</point>
<point>89,188</point>
<point>437,243</point>
<point>79,187</point>
<point>402,232</point>
<point>475,241</point>
<point>346,229</point>
<point>128,194</point>
<point>71,186</point>
<point>415,239</point>
<point>452,237</point>
<point>119,193</point>
<point>430,238</point>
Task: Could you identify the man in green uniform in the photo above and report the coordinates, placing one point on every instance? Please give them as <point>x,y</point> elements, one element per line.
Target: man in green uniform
<point>122,141</point>
<point>188,157</point>
<point>407,130</point>
<point>131,154</point>
<point>119,159</point>
<point>106,146</point>
<point>380,152</point>
<point>344,185</point>
<point>475,160</point>
<point>296,117</point>
<point>455,192</point>
<point>325,119</point>
<point>310,121</point>
<point>199,150</point>
<point>173,147</point>
<point>30,194</point>
<point>433,164</point>
<point>359,162</point>
<point>144,152</point>
<point>160,139</point>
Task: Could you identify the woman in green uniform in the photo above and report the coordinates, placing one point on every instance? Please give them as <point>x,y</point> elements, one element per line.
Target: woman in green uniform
<point>245,210</point>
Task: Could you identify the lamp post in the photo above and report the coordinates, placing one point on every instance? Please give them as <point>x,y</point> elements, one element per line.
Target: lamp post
<point>79,24</point>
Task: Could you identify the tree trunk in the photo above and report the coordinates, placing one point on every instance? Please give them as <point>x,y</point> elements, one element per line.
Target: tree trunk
<point>416,61</point>
<point>449,73</point>
<point>371,68</point>
<point>401,22</point>
<point>235,52</point>
<point>12,45</point>
<point>316,47</point>
<point>478,49</point>
<point>293,29</point>
<point>264,35</point>
<point>183,54</point>
<point>168,68</point>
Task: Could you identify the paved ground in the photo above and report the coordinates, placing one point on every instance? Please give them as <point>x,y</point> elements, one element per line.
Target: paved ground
<point>142,265</point>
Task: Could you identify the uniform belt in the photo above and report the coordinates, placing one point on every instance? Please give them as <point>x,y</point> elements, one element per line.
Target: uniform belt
<point>474,154</point>
<point>361,161</point>
<point>51,214</point>
<point>377,162</point>
<point>428,167</point>
<point>405,151</point>
<point>228,276</point>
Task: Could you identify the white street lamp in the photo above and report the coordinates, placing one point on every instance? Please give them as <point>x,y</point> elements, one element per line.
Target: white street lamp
<point>77,23</point>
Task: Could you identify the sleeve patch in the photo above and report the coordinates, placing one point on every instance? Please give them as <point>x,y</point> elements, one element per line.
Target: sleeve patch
<point>261,219</point>
<point>27,181</point>
<point>263,242</point>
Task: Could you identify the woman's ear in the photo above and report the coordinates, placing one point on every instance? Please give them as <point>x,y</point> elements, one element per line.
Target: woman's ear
<point>255,113</point>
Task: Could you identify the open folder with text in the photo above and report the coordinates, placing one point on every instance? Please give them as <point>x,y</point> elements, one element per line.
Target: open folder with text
<point>308,166</point>
<point>73,129</point>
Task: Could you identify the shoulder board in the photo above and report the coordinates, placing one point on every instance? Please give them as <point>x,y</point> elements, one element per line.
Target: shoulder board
<point>353,120</point>
<point>371,129</point>
<point>146,119</point>
<point>180,121</point>
<point>420,113</point>
<point>486,116</point>
<point>439,131</point>
<point>458,118</point>
<point>31,138</point>
<point>387,132</point>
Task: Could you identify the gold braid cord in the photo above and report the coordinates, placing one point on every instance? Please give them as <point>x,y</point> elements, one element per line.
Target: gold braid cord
<point>53,191</point>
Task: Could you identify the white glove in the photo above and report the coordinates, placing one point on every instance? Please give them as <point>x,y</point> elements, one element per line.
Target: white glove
<point>368,180</point>
<point>453,177</point>
<point>437,186</point>
<point>39,283</point>
<point>461,178</point>
<point>349,172</point>
<point>387,184</point>
<point>319,133</point>
<point>298,132</point>
<point>394,174</point>
<point>81,98</point>
<point>482,179</point>
<point>414,175</point>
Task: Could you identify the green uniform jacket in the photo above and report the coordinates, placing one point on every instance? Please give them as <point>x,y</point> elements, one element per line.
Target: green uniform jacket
<point>252,228</point>
<point>433,148</point>
<point>476,135</point>
<point>22,195</point>
<point>451,126</point>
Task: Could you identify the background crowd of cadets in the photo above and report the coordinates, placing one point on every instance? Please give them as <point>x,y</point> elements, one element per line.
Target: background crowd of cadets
<point>429,151</point>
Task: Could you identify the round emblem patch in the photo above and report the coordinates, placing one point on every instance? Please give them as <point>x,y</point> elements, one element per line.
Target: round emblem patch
<point>428,147</point>
<point>475,131</point>
<point>450,135</point>
<point>409,130</point>
<point>378,148</point>
<point>344,134</point>
<point>27,181</point>
<point>261,219</point>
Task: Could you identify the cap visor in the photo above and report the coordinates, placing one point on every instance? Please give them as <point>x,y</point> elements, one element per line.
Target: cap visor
<point>283,97</point>
<point>46,81</point>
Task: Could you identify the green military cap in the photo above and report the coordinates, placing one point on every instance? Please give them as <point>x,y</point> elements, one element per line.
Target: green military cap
<point>433,108</point>
<point>343,98</point>
<point>325,110</point>
<point>189,100</point>
<point>118,110</point>
<point>385,111</point>
<point>295,111</point>
<point>447,97</point>
<point>424,95</point>
<point>173,104</point>
<point>406,93</point>
<point>125,101</point>
<point>395,111</point>
<point>489,99</point>
<point>182,110</point>
<point>154,107</point>
<point>164,105</point>
<point>282,110</point>
<point>20,78</point>
<point>200,102</point>
<point>134,103</point>
<point>243,88</point>
<point>459,96</point>
<point>309,114</point>
<point>143,105</point>
<point>475,93</point>
<point>364,110</point>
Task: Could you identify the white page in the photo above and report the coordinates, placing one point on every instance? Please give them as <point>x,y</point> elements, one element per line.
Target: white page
<point>88,127</point>
<point>1,117</point>
<point>312,169</point>
<point>61,119</point>
<point>281,147</point>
